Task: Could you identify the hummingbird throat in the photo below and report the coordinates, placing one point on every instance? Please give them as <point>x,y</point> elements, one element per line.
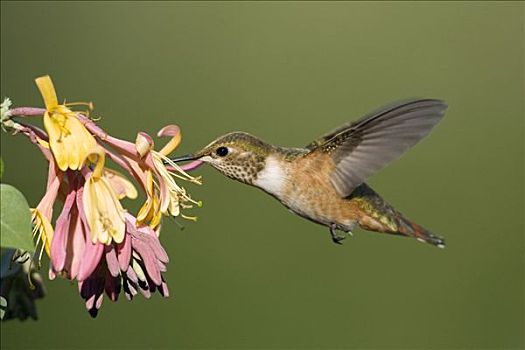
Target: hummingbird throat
<point>272,177</point>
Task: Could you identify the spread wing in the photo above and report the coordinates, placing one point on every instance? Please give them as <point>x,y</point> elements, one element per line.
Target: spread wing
<point>361,148</point>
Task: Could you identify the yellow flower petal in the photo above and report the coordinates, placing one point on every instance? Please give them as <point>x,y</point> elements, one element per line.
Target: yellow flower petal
<point>150,212</point>
<point>98,156</point>
<point>43,143</point>
<point>55,139</point>
<point>47,90</point>
<point>143,144</point>
<point>104,213</point>
<point>81,141</point>
<point>43,227</point>
<point>144,213</point>
<point>69,140</point>
<point>176,137</point>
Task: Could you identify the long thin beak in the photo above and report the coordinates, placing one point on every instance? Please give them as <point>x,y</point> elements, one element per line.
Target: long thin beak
<point>184,158</point>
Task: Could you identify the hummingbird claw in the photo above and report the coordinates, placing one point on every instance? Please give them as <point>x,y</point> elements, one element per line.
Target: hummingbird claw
<point>336,238</point>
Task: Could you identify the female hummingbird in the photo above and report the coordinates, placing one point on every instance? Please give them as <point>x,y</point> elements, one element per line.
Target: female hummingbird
<point>324,181</point>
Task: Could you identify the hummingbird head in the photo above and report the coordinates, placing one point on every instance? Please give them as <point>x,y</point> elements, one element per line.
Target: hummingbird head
<point>238,155</point>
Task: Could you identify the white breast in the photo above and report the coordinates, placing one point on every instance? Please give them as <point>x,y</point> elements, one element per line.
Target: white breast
<point>272,178</point>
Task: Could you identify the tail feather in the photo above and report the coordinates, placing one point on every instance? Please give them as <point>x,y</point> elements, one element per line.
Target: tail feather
<point>411,229</point>
<point>377,215</point>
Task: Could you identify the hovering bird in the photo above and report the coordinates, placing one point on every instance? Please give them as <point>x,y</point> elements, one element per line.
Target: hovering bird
<point>324,181</point>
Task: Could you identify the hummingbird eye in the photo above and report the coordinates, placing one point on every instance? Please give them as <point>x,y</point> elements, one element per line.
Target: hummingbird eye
<point>222,151</point>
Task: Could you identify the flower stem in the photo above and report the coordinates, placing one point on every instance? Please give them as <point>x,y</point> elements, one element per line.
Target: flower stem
<point>27,112</point>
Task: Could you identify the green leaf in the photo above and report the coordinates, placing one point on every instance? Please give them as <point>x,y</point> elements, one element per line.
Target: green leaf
<point>15,219</point>
<point>1,168</point>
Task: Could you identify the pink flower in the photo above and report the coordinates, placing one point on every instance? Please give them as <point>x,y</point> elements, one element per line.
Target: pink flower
<point>134,265</point>
<point>95,240</point>
<point>73,253</point>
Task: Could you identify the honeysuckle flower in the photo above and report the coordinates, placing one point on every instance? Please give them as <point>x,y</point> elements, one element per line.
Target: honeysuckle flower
<point>73,254</point>
<point>69,140</point>
<point>147,166</point>
<point>95,240</point>
<point>105,214</point>
<point>169,197</point>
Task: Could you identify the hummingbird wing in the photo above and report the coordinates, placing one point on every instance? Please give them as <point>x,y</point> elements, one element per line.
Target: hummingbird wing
<point>363,147</point>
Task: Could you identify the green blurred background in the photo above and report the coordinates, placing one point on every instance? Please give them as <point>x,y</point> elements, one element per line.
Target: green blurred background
<point>249,274</point>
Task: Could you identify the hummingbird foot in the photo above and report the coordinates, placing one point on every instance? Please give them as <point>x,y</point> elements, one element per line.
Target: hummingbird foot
<point>335,237</point>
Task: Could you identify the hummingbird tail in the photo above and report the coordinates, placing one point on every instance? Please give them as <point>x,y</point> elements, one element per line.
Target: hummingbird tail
<point>375,214</point>
<point>411,229</point>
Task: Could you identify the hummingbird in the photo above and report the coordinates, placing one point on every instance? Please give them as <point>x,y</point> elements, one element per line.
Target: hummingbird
<point>324,181</point>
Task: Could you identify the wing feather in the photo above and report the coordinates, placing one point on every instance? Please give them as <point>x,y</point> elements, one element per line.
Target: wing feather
<point>364,147</point>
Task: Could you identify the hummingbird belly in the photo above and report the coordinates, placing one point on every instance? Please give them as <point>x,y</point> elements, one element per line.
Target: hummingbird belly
<point>310,194</point>
<point>321,206</point>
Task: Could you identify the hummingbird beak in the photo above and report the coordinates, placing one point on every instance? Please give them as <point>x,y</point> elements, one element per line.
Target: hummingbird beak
<point>184,158</point>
